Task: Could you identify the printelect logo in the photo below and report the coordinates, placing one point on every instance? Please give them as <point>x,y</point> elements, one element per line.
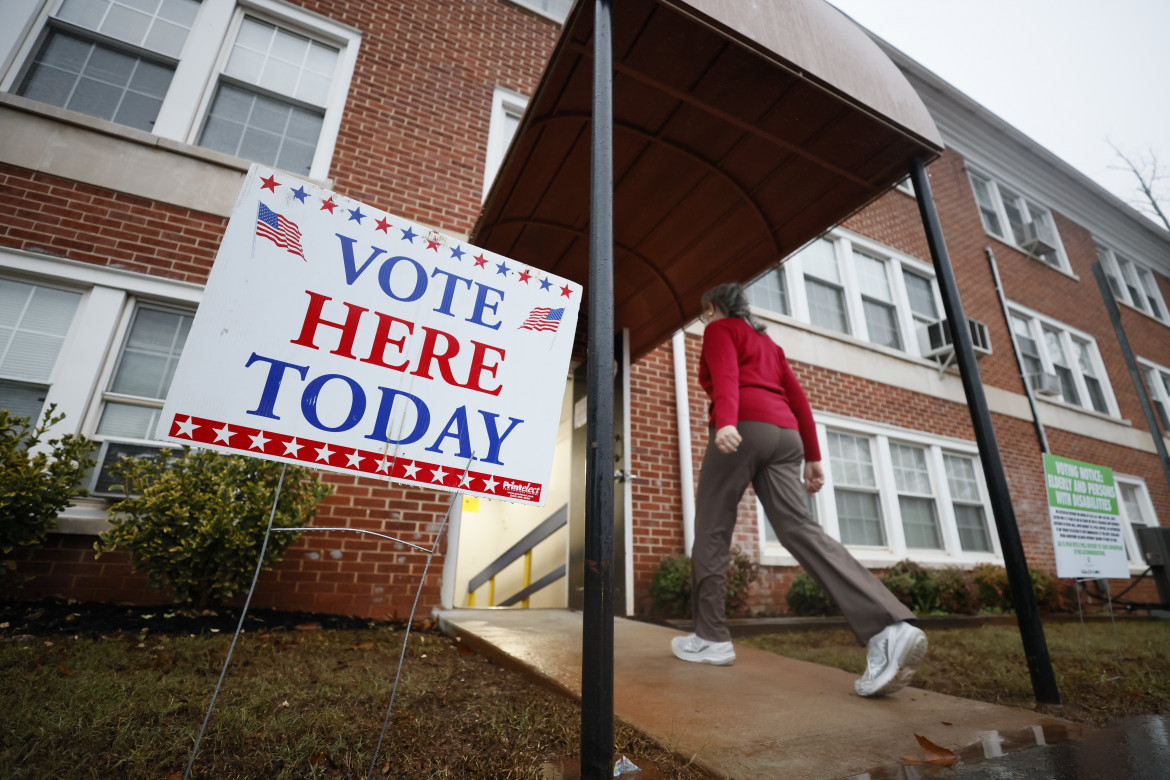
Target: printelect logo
<point>522,488</point>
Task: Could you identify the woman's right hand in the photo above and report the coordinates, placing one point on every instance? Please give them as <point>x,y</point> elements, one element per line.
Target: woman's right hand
<point>727,439</point>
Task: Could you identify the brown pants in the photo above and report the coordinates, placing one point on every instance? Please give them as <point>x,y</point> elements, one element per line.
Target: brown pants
<point>769,458</point>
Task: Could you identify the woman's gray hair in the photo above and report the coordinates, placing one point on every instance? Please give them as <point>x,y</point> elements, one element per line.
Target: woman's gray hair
<point>730,299</point>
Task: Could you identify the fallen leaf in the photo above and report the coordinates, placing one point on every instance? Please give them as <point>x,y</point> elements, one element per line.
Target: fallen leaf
<point>935,754</point>
<point>65,671</point>
<point>317,759</point>
<point>363,646</point>
<point>309,627</point>
<point>175,776</point>
<point>948,723</point>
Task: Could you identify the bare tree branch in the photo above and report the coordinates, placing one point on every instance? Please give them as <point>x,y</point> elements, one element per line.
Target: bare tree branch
<point>1148,178</point>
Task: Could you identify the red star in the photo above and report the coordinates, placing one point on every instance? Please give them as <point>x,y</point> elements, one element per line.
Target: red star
<point>565,291</point>
<point>525,276</point>
<point>269,183</point>
<point>480,261</point>
<point>328,204</point>
<point>383,225</point>
<point>433,243</point>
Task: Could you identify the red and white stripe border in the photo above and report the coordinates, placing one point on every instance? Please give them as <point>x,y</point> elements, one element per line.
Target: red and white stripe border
<point>284,447</point>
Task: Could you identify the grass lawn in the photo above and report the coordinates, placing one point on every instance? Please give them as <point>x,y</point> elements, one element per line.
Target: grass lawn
<point>1116,677</point>
<point>295,704</point>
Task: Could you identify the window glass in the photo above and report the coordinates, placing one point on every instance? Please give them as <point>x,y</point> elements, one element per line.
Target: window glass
<point>920,291</point>
<point>1092,384</point>
<point>1068,387</point>
<point>34,321</point>
<point>769,292</point>
<point>881,317</point>
<point>968,507</point>
<point>555,9</point>
<point>1107,265</point>
<point>158,25</point>
<point>143,375</point>
<point>915,497</point>
<point>1027,345</point>
<point>1013,207</point>
<point>270,104</point>
<point>826,298</point>
<point>986,204</point>
<point>855,490</point>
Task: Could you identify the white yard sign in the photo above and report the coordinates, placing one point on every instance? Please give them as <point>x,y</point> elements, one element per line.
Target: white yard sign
<point>334,335</point>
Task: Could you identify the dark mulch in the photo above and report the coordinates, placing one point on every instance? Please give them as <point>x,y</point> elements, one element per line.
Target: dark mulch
<point>50,617</point>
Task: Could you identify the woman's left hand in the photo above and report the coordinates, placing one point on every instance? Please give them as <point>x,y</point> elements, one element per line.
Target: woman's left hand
<point>727,439</point>
<point>814,476</point>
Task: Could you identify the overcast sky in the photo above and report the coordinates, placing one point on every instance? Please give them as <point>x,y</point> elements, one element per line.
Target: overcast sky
<point>1071,74</point>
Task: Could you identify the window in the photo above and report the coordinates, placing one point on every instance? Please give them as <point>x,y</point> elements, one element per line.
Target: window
<point>1133,283</point>
<point>855,490</point>
<point>1050,347</point>
<point>769,291</point>
<point>1018,220</point>
<point>850,285</point>
<point>110,58</point>
<point>823,288</point>
<point>268,84</point>
<point>557,10</point>
<point>507,109</point>
<point>1158,386</point>
<point>34,320</point>
<point>142,377</point>
<point>892,493</point>
<point>1136,511</point>
<point>915,497</point>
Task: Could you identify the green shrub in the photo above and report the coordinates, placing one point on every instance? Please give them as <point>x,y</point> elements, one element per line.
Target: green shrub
<point>198,521</point>
<point>956,591</point>
<point>992,590</point>
<point>915,586</point>
<point>35,487</point>
<point>806,598</point>
<point>670,587</point>
<point>1051,594</point>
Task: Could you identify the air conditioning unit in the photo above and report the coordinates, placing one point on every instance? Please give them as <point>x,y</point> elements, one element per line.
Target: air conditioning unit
<point>935,340</point>
<point>1038,238</point>
<point>1155,547</point>
<point>1045,383</point>
<point>103,481</point>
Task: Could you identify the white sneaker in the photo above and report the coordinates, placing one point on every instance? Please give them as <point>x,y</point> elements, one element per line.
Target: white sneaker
<point>892,658</point>
<point>700,651</point>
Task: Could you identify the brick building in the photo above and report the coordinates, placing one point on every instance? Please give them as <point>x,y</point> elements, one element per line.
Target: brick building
<point>128,129</point>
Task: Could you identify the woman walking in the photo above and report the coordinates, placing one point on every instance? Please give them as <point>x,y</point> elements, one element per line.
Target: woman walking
<point>761,430</point>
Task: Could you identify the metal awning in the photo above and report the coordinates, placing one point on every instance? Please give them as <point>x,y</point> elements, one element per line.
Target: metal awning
<point>741,131</point>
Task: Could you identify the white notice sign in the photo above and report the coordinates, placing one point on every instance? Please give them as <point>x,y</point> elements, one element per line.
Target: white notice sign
<point>1086,529</point>
<point>332,334</point>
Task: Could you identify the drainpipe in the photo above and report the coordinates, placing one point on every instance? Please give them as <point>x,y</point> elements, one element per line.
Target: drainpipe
<point>1007,318</point>
<point>682,405</point>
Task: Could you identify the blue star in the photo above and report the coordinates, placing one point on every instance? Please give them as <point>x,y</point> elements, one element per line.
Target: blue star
<point>502,269</point>
<point>300,194</point>
<point>356,215</point>
<point>457,253</point>
<point>545,283</point>
<point>408,234</point>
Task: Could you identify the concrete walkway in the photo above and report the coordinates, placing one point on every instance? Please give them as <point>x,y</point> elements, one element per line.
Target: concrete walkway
<point>763,718</point>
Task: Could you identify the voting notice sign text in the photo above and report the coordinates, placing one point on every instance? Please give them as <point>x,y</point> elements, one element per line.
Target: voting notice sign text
<point>1086,529</point>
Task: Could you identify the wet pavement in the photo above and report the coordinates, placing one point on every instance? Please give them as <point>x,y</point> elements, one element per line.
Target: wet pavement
<point>769,717</point>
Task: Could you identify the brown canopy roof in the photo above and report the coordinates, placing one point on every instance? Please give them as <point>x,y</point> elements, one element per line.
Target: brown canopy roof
<point>741,131</point>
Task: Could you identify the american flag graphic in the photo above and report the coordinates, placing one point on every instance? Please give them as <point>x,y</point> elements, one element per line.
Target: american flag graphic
<point>543,319</point>
<point>280,231</point>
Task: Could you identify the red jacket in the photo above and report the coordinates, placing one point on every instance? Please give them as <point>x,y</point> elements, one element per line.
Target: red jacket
<point>748,378</point>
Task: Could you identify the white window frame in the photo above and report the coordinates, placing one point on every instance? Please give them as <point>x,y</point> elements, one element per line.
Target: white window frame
<point>1114,264</point>
<point>1149,517</point>
<point>880,436</point>
<point>1157,390</point>
<point>93,344</point>
<point>538,7</point>
<point>1030,202</point>
<point>504,102</point>
<point>203,57</point>
<point>897,264</point>
<point>1036,324</point>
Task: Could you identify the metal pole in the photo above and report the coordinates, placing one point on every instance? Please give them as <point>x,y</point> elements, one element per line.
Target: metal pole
<point>597,615</point>
<point>1024,600</point>
<point>1135,373</point>
<point>1007,318</point>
